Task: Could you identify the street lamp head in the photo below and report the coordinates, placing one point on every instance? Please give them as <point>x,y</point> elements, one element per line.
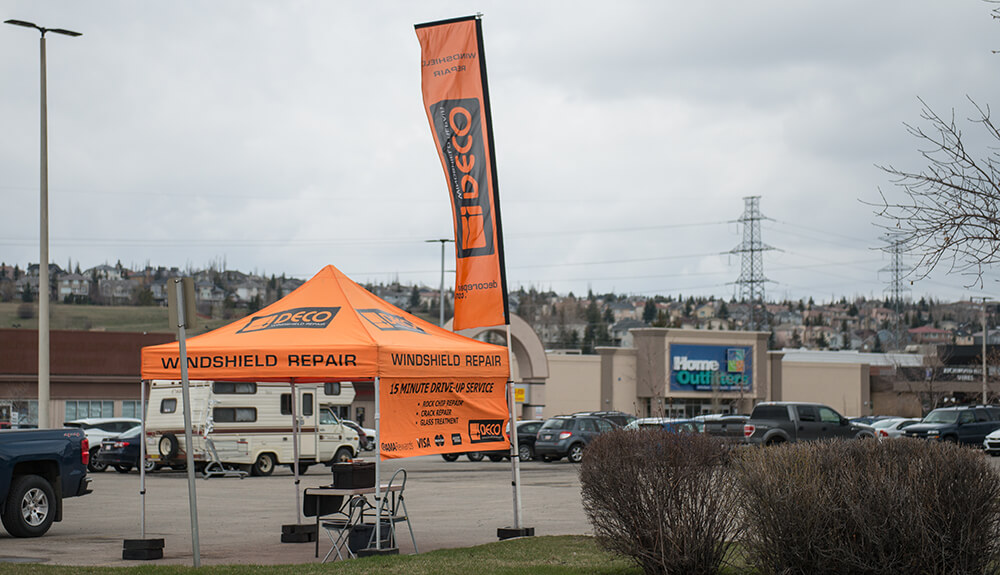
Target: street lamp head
<point>65,32</point>
<point>22,23</point>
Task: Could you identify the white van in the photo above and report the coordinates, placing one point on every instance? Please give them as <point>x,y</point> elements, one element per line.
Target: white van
<point>250,424</point>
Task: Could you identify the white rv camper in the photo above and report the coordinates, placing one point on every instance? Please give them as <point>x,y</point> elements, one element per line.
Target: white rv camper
<point>250,424</point>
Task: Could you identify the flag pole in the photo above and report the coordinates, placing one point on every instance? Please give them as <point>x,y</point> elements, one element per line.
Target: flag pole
<point>518,530</point>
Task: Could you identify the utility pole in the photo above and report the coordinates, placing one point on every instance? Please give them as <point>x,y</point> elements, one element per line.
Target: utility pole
<point>751,280</point>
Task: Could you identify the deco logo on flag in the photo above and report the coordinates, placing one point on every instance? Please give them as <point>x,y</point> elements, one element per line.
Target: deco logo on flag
<point>304,317</point>
<point>485,430</point>
<point>459,132</point>
<point>386,321</point>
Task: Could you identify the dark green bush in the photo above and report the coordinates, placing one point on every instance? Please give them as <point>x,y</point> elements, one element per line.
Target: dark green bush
<point>663,499</point>
<point>859,507</point>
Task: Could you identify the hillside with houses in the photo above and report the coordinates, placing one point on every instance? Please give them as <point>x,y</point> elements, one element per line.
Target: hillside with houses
<point>566,322</point>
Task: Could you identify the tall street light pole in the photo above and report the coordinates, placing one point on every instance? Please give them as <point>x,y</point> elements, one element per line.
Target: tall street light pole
<point>443,242</point>
<point>983,301</point>
<point>43,239</point>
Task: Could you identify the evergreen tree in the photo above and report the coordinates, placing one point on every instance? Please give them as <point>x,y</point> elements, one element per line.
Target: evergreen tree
<point>649,312</point>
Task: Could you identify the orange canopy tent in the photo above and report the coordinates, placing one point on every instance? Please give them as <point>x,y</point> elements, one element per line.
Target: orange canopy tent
<point>332,329</point>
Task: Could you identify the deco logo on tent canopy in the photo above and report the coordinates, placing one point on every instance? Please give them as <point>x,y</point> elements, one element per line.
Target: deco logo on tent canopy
<point>386,321</point>
<point>300,317</point>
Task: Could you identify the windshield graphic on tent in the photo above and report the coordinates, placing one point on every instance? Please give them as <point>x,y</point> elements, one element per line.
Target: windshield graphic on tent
<point>386,321</point>
<point>305,317</point>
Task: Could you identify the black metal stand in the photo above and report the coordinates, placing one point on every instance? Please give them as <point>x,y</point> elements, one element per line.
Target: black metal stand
<point>298,533</point>
<point>511,532</point>
<point>142,549</point>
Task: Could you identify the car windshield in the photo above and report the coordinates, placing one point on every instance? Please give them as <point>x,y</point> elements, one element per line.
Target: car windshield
<point>561,423</point>
<point>941,416</point>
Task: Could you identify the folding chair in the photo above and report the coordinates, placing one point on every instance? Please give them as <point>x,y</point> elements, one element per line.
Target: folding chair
<point>339,526</point>
<point>392,510</point>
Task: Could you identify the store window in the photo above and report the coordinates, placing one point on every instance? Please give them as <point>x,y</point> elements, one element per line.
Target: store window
<point>84,408</point>
<point>132,408</point>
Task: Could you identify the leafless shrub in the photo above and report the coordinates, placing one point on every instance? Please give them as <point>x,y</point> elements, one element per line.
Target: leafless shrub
<point>663,499</point>
<point>859,507</point>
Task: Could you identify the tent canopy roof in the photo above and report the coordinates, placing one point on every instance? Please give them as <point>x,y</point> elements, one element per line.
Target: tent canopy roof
<point>330,328</point>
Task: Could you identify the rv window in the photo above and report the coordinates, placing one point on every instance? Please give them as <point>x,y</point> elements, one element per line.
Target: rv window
<point>331,388</point>
<point>327,417</point>
<point>241,387</point>
<point>307,404</point>
<point>234,414</point>
<point>168,405</point>
<point>286,404</point>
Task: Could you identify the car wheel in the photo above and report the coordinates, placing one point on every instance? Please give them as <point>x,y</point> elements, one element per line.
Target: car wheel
<point>449,456</point>
<point>950,439</point>
<point>524,452</point>
<point>575,454</point>
<point>475,455</point>
<point>496,458</point>
<point>151,466</point>
<point>96,466</point>
<point>264,465</point>
<point>123,468</point>
<point>343,455</point>
<point>30,507</point>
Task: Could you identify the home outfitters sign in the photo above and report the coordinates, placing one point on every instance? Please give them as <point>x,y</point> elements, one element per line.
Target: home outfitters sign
<point>711,368</point>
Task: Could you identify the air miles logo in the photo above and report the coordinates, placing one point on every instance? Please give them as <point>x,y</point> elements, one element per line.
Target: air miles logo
<point>485,430</point>
<point>304,317</point>
<point>459,130</point>
<point>386,321</point>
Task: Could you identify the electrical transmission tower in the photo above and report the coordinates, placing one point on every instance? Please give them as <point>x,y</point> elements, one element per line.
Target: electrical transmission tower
<point>897,271</point>
<point>751,281</point>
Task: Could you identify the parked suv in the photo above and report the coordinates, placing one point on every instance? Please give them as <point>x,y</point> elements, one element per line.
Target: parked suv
<point>567,436</point>
<point>967,424</point>
<point>97,429</point>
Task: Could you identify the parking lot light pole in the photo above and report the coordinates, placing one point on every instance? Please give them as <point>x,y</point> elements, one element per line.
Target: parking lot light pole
<point>443,242</point>
<point>43,239</point>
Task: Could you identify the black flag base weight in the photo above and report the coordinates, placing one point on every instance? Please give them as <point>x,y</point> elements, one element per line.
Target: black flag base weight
<point>511,532</point>
<point>298,533</point>
<point>142,549</point>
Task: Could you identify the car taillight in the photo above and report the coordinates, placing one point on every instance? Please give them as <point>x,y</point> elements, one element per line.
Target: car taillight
<point>85,451</point>
<point>748,429</point>
<point>120,444</point>
<point>565,434</point>
<point>883,433</point>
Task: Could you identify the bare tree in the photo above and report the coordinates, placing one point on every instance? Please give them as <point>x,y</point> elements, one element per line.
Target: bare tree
<point>951,210</point>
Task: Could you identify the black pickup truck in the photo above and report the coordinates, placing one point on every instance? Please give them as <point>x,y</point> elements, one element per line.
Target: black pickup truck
<point>780,421</point>
<point>38,469</point>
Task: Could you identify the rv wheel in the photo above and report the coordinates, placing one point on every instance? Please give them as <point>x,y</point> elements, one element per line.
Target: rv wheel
<point>168,446</point>
<point>264,465</point>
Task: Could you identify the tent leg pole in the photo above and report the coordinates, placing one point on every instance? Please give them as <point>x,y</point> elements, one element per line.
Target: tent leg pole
<point>378,459</point>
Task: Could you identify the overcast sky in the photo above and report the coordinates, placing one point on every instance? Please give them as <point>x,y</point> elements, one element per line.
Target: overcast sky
<point>278,137</point>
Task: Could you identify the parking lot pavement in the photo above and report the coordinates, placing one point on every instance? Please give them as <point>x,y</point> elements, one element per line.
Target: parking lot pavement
<point>451,504</point>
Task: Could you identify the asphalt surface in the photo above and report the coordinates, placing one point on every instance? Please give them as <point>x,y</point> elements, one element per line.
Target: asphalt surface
<point>451,504</point>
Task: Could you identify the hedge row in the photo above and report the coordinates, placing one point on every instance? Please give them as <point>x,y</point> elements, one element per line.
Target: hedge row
<point>689,504</point>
